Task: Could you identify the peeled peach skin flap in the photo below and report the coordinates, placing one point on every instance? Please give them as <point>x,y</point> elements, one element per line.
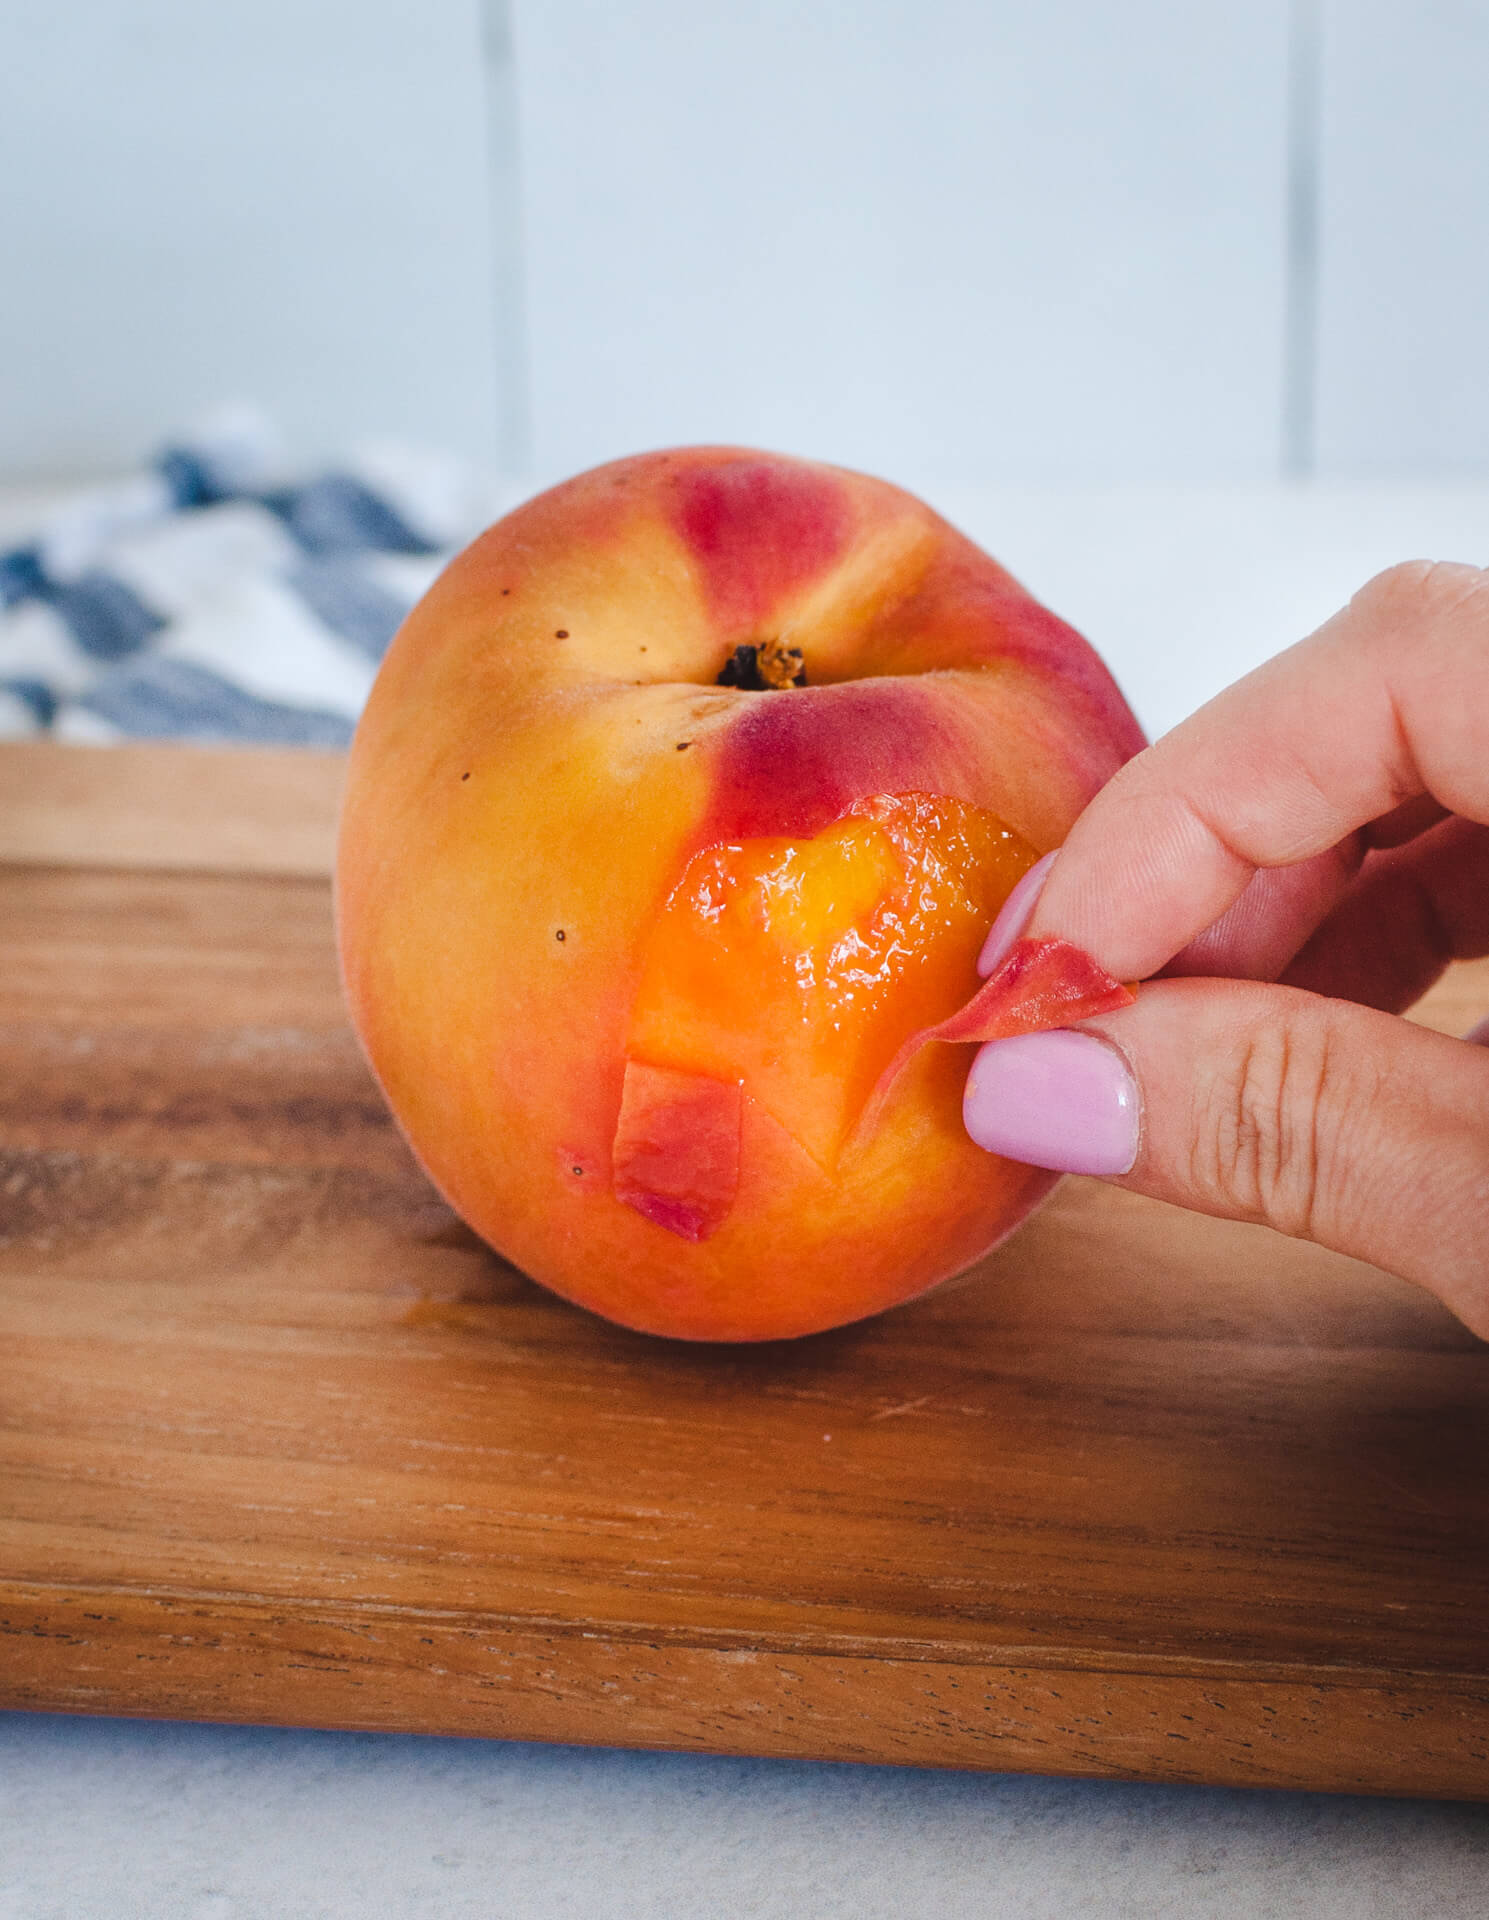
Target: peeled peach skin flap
<point>1041,984</point>
<point>676,1154</point>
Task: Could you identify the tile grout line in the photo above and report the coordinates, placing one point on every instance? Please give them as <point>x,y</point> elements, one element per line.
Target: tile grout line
<point>1300,311</point>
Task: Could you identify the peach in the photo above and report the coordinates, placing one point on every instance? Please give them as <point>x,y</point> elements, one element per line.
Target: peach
<point>673,827</point>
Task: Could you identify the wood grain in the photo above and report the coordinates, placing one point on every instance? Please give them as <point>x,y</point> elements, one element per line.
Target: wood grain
<point>1145,1495</point>
<point>246,810</point>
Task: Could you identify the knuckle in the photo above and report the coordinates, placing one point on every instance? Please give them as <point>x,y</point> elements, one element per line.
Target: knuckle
<point>1262,1149</point>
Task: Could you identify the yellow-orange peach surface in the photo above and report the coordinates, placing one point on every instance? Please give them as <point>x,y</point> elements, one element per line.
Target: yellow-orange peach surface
<point>629,950</point>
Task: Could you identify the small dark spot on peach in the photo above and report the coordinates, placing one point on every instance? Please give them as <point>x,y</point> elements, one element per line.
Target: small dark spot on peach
<point>465,776</point>
<point>560,935</point>
<point>683,745</point>
<point>506,589</point>
<point>562,634</point>
<point>577,1171</point>
<point>643,649</point>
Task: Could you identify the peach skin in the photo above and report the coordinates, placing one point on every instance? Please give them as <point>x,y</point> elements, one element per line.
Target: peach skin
<point>674,824</point>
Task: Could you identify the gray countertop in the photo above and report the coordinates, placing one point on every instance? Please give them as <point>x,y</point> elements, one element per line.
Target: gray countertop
<point>109,1820</point>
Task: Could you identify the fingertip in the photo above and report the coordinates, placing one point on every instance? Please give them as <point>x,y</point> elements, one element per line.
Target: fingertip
<point>1064,1100</point>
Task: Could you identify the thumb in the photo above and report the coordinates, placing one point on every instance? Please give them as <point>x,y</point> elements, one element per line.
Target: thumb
<point>1329,1121</point>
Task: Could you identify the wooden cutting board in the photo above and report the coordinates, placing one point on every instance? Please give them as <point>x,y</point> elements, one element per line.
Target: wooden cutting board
<point>1145,1495</point>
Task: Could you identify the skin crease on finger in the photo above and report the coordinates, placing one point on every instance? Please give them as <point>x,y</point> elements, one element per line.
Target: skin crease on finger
<point>1317,1126</point>
<point>1323,823</point>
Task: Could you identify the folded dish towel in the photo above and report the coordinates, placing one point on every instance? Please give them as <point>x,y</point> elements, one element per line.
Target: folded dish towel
<point>209,598</point>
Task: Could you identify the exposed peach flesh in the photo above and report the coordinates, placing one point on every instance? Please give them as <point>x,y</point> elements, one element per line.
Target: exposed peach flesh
<point>799,966</point>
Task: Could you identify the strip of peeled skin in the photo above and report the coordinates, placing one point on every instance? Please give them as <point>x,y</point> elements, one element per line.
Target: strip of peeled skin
<point>1040,985</point>
<point>676,1152</point>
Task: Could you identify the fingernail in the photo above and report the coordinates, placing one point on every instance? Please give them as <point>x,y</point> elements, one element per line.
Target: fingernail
<point>1479,1035</point>
<point>1063,1100</point>
<point>1015,915</point>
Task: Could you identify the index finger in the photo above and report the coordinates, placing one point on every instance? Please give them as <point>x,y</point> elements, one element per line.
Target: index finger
<point>1387,702</point>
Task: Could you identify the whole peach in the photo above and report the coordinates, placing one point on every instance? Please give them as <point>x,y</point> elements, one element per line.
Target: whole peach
<point>629,949</point>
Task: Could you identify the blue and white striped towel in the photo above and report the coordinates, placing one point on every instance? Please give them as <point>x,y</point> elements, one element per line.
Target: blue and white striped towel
<point>207,599</point>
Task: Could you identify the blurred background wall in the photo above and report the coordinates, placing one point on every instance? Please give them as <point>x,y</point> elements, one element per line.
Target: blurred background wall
<point>956,241</point>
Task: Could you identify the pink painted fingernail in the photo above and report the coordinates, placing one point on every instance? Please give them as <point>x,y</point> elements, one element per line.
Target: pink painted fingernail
<point>1063,1100</point>
<point>1015,915</point>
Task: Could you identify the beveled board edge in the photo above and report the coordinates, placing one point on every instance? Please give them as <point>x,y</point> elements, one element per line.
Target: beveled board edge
<point>262,1663</point>
<point>269,810</point>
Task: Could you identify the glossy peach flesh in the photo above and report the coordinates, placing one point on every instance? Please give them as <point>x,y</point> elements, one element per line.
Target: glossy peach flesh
<point>799,966</point>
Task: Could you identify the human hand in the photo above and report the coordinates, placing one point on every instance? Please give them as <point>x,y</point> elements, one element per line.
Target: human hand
<point>1298,861</point>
